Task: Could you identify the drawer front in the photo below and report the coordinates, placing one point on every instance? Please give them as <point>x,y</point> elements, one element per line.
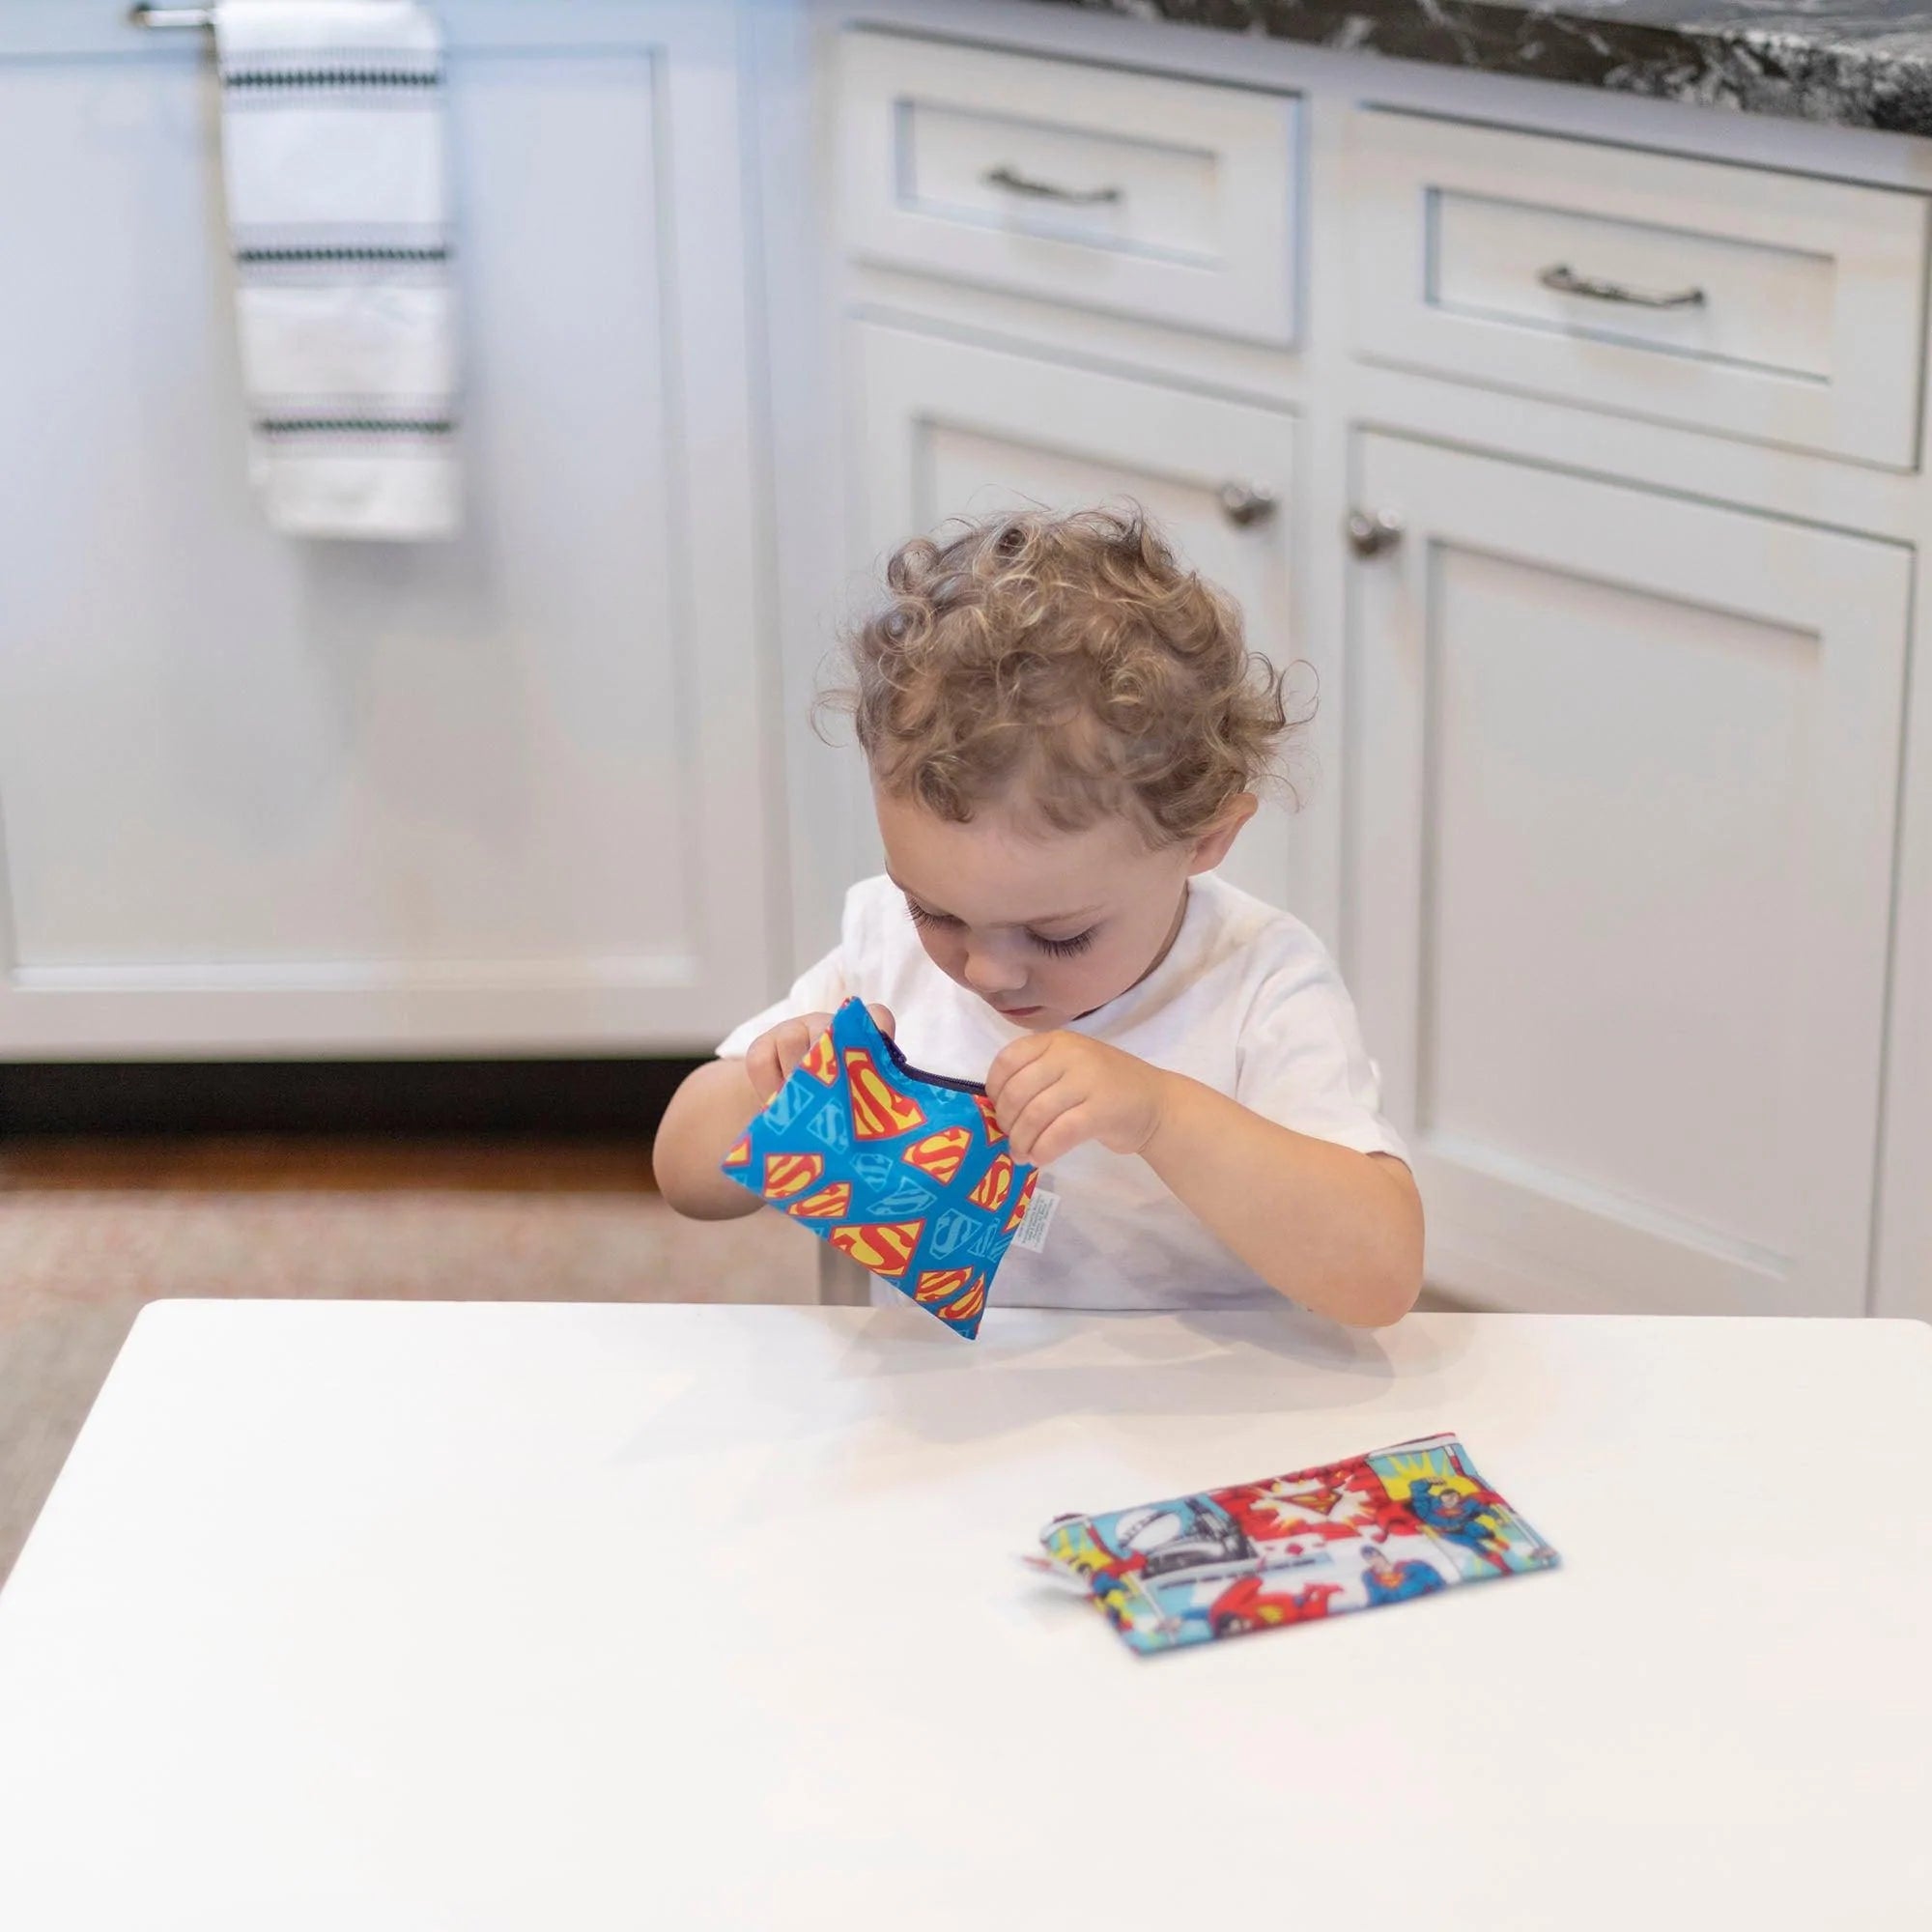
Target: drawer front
<point>1757,304</point>
<point>1173,200</point>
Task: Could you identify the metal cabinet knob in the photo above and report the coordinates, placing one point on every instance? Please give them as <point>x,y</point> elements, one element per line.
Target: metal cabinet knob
<point>1372,534</point>
<point>1245,505</point>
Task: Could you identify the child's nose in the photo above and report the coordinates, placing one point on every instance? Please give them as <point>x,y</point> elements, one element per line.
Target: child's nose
<point>988,972</point>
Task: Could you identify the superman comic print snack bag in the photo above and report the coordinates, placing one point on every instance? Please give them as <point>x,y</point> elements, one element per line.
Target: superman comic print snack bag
<point>906,1172</point>
<point>1352,1536</point>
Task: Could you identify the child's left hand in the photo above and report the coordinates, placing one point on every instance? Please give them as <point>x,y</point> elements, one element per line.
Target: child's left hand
<point>1053,1091</point>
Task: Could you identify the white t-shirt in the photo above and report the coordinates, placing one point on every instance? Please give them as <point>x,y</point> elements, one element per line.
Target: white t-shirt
<point>1246,1002</point>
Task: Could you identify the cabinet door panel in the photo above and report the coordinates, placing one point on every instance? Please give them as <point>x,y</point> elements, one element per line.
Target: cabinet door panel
<point>1169,199</point>
<point>261,792</point>
<point>1625,786</point>
<point>1482,253</point>
<point>952,430</point>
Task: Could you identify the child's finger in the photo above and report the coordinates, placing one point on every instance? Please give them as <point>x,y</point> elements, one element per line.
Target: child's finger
<point>774,1056</point>
<point>1037,1117</point>
<point>1021,1090</point>
<point>882,1018</point>
<point>1010,1059</point>
<point>791,1041</point>
<point>794,1039</point>
<point>761,1069</point>
<point>1063,1134</point>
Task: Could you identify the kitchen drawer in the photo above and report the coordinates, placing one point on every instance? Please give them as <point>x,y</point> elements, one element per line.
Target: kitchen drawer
<point>1759,305</point>
<point>1174,200</point>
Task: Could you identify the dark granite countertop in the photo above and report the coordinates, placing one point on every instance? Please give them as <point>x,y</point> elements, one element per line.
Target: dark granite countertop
<point>1858,63</point>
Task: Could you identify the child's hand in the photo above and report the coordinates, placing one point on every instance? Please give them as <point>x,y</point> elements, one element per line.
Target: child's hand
<point>1053,1090</point>
<point>770,1059</point>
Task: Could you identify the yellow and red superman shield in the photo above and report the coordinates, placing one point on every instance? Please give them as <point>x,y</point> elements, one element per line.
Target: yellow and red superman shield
<point>822,1061</point>
<point>993,1186</point>
<point>936,1284</point>
<point>940,1155</point>
<point>970,1306</point>
<point>741,1154</point>
<point>880,1111</point>
<point>995,1133</point>
<point>828,1201</point>
<point>789,1173</point>
<point>884,1247</point>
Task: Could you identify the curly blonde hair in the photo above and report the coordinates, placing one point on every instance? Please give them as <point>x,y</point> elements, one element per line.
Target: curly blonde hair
<point>1069,659</point>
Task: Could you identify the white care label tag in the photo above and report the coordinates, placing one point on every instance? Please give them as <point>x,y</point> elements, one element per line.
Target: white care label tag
<point>1037,1218</point>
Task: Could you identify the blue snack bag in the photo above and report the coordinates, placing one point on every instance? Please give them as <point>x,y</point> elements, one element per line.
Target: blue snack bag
<point>907,1173</point>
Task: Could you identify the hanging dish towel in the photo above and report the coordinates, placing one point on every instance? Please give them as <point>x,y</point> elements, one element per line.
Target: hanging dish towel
<point>332,156</point>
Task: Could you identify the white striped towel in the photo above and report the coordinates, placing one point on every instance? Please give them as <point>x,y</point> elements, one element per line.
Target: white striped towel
<point>338,215</point>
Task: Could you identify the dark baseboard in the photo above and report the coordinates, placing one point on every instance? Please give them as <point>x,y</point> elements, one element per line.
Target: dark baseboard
<point>576,1097</point>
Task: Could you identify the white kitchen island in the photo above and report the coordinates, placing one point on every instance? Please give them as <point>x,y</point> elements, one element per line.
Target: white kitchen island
<point>405,1617</point>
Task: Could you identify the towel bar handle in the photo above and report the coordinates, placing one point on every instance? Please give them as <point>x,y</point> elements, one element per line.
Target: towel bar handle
<point>144,16</point>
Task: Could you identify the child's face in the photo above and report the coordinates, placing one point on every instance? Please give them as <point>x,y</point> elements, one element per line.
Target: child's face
<point>1042,926</point>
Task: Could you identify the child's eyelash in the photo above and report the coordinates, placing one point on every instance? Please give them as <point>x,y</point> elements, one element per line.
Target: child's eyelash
<point>1064,949</point>
<point>1057,949</point>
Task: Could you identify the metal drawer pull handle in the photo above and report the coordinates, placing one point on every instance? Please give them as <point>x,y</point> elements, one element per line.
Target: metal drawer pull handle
<point>1245,505</point>
<point>1566,281</point>
<point>1015,183</point>
<point>170,17</point>
<point>1371,535</point>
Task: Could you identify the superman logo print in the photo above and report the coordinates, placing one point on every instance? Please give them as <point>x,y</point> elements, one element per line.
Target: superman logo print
<point>906,1172</point>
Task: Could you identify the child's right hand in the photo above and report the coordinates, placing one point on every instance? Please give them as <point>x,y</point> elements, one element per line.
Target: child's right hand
<point>770,1059</point>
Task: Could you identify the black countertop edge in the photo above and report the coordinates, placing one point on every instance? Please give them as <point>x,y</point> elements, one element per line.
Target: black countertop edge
<point>1852,66</point>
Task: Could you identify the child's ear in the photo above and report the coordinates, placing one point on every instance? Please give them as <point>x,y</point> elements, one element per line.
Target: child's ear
<point>1212,846</point>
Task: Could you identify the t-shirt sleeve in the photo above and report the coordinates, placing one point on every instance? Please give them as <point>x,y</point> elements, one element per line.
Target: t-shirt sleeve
<point>1302,1061</point>
<point>821,988</point>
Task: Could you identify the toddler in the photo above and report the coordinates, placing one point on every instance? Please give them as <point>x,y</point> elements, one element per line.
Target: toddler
<point>1065,730</point>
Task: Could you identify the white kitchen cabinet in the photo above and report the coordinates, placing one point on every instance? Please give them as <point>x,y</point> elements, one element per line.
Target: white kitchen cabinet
<point>1902,1281</point>
<point>500,794</point>
<point>1624,777</point>
<point>1612,732</point>
<point>1137,192</point>
<point>1756,303</point>
<point>951,429</point>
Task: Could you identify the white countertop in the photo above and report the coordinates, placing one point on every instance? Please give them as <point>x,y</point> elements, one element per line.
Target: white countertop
<point>474,1617</point>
